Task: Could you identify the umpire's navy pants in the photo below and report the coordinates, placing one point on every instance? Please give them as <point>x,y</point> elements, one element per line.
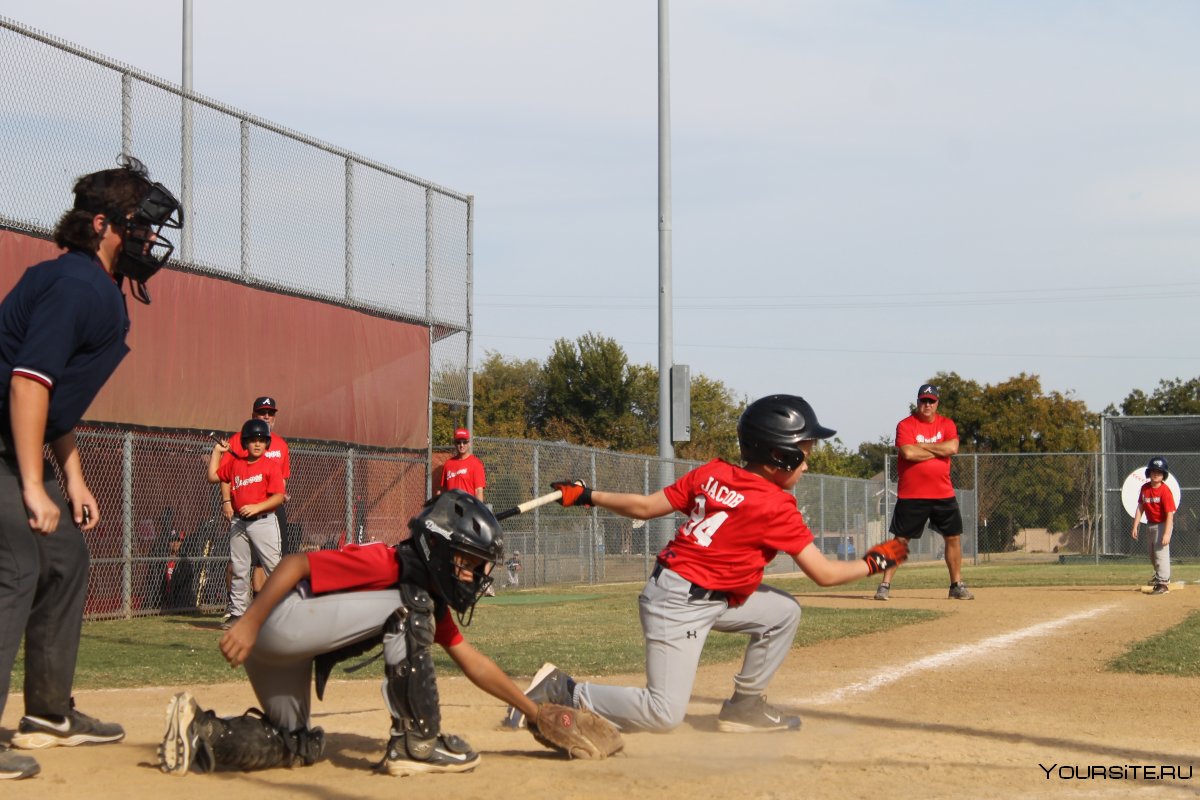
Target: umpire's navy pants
<point>43,587</point>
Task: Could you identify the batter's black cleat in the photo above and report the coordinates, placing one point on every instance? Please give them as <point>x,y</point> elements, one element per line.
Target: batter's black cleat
<point>754,715</point>
<point>39,733</point>
<point>1160,588</point>
<point>14,766</point>
<point>407,755</point>
<point>549,685</point>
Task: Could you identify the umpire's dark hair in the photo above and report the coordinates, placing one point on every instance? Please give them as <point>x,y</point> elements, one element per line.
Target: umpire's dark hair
<point>116,193</point>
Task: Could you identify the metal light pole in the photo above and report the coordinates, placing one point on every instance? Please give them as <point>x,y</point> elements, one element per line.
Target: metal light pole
<point>666,450</point>
<point>185,144</point>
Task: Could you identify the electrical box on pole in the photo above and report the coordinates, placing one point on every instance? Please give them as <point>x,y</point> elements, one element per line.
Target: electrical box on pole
<point>681,403</point>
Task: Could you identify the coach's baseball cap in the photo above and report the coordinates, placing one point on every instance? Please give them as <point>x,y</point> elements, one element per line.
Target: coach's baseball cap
<point>265,404</point>
<point>462,434</point>
<point>927,392</point>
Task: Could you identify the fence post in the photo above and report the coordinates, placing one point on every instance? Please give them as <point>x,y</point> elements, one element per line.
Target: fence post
<point>646,539</point>
<point>127,524</point>
<point>975,524</point>
<point>593,555</point>
<point>349,229</point>
<point>244,195</point>
<point>349,497</point>
<point>538,560</point>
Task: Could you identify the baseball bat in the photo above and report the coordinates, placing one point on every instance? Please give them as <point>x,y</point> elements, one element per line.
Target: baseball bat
<point>530,505</point>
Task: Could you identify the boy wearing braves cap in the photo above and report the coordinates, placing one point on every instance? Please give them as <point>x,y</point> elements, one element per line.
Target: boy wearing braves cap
<point>1156,501</point>
<point>925,441</point>
<point>463,470</point>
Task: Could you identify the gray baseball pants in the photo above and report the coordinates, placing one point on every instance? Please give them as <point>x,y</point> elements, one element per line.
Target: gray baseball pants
<point>1160,554</point>
<point>675,627</point>
<point>302,627</point>
<point>246,537</point>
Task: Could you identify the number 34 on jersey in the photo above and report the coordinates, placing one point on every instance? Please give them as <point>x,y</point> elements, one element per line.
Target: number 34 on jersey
<point>702,526</point>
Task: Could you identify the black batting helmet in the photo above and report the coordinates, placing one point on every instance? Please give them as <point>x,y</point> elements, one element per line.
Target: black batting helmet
<point>771,429</point>
<point>255,429</point>
<point>1160,464</point>
<point>457,521</point>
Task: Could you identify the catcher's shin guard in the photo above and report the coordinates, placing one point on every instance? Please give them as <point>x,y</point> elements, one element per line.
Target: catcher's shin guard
<point>411,689</point>
<point>249,742</point>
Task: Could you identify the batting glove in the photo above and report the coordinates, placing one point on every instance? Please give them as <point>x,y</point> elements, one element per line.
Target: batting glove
<point>886,555</point>
<point>574,493</point>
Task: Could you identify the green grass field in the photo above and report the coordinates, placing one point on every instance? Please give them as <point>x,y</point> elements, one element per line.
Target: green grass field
<point>594,630</point>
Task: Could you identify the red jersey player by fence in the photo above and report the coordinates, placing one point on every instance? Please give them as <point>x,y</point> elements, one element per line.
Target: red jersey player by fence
<point>709,577</point>
<point>463,470</point>
<point>1158,504</point>
<point>925,441</point>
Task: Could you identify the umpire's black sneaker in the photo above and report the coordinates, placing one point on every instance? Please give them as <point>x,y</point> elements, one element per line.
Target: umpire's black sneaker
<point>38,733</point>
<point>549,685</point>
<point>14,766</point>
<point>754,715</point>
<point>446,753</point>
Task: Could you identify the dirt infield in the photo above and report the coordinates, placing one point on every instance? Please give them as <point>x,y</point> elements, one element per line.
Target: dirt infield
<point>965,706</point>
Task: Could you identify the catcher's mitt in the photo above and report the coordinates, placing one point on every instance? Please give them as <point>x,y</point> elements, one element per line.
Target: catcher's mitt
<point>577,732</point>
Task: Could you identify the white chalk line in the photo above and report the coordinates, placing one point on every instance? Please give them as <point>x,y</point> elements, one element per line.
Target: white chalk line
<point>967,651</point>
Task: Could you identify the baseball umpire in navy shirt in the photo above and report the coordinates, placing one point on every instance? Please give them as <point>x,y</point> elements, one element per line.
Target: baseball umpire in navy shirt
<point>62,334</point>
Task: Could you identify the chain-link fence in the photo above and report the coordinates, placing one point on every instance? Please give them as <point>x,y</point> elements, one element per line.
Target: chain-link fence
<point>163,544</point>
<point>265,206</point>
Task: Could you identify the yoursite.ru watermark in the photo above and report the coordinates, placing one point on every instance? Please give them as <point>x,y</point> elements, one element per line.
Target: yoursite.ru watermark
<point>1117,772</point>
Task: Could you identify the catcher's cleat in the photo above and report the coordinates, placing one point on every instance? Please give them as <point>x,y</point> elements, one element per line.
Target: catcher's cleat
<point>407,755</point>
<point>14,766</point>
<point>959,591</point>
<point>754,715</point>
<point>177,747</point>
<point>38,733</point>
<point>883,591</point>
<point>549,685</point>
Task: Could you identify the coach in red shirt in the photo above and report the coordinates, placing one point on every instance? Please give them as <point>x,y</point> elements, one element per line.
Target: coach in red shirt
<point>925,441</point>
<point>463,470</point>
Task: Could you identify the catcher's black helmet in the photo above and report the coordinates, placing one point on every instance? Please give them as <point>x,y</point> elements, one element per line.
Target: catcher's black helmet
<point>457,521</point>
<point>255,429</point>
<point>771,429</point>
<point>1160,464</point>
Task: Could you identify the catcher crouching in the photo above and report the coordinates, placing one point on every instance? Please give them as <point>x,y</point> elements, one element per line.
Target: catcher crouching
<point>318,609</point>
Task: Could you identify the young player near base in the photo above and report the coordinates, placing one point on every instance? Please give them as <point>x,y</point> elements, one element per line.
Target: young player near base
<point>324,607</point>
<point>1158,504</point>
<point>709,576</point>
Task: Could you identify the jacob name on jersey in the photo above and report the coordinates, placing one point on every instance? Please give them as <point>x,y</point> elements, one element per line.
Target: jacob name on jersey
<point>722,494</point>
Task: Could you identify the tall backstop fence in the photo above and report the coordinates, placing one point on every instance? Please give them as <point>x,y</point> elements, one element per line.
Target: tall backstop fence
<point>268,209</point>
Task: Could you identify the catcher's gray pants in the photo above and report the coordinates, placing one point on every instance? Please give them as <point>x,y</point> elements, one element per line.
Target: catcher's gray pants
<point>248,537</point>
<point>675,626</point>
<point>43,586</point>
<point>1160,554</point>
<point>299,629</point>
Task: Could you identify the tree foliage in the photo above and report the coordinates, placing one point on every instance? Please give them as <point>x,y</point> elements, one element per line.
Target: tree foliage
<point>1175,396</point>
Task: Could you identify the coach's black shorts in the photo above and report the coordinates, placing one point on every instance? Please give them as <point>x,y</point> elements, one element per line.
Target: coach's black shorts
<point>909,517</point>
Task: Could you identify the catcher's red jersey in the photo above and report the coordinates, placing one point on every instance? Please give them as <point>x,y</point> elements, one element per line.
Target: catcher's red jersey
<point>737,523</point>
<point>364,568</point>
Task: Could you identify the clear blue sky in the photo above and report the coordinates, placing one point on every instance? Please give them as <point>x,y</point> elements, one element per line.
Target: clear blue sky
<point>865,193</point>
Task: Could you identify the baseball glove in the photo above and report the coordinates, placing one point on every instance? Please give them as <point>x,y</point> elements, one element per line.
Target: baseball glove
<point>575,732</point>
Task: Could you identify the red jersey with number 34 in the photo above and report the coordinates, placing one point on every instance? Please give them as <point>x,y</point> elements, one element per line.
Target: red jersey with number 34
<point>1156,502</point>
<point>737,523</point>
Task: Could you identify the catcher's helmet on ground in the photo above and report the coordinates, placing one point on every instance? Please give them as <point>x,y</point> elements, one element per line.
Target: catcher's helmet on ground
<point>1160,464</point>
<point>457,521</point>
<point>771,429</point>
<point>255,429</point>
